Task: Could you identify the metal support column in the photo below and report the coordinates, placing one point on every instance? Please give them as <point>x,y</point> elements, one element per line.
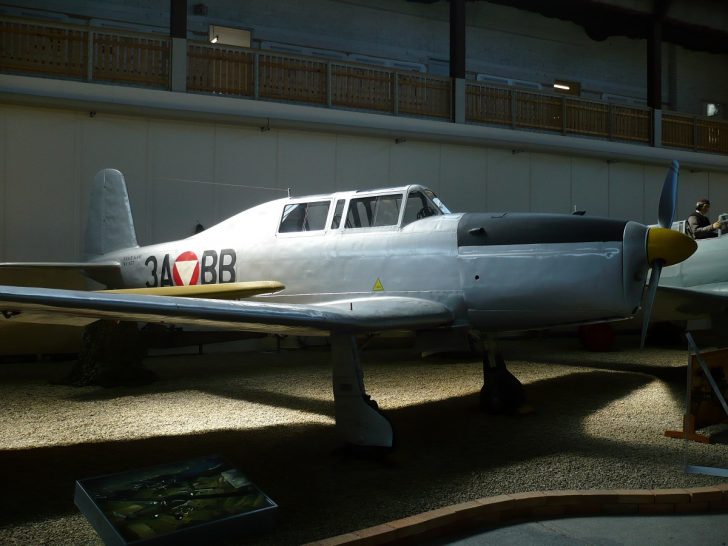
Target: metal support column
<point>178,32</point>
<point>457,59</point>
<point>654,64</point>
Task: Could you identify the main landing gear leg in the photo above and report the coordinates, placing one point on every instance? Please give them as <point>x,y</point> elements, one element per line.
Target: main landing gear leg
<point>358,421</point>
<point>111,355</point>
<point>502,393</point>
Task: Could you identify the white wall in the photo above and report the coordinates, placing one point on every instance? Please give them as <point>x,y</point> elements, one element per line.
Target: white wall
<point>181,172</point>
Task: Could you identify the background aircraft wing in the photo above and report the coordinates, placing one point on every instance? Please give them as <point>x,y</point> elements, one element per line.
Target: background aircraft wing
<point>678,303</point>
<point>355,315</point>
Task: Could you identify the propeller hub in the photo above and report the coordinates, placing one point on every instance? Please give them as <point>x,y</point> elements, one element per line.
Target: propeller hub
<point>668,246</point>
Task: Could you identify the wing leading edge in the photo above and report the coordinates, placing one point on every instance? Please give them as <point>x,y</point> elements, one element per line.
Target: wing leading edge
<point>357,315</point>
<point>676,303</point>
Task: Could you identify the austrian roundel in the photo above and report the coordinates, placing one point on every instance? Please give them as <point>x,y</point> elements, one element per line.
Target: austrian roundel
<point>186,269</point>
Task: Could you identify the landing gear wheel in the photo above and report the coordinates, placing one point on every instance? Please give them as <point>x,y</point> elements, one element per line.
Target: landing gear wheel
<point>502,393</point>
<point>597,338</point>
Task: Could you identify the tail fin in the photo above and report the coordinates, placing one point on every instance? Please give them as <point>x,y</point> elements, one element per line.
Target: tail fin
<point>110,225</point>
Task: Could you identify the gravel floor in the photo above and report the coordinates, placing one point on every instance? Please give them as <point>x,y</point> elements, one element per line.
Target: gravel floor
<point>598,422</point>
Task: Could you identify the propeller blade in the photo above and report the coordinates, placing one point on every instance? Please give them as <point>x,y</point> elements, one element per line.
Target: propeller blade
<point>668,197</point>
<point>650,299</point>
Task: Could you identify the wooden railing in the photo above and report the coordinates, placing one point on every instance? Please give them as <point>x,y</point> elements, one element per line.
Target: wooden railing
<point>217,70</point>
<point>83,53</point>
<point>265,75</point>
<point>703,134</point>
<point>36,49</point>
<point>363,88</point>
<point>547,112</point>
<point>142,60</point>
<point>424,95</point>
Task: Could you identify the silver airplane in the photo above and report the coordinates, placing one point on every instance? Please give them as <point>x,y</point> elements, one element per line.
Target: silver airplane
<point>697,288</point>
<point>363,262</point>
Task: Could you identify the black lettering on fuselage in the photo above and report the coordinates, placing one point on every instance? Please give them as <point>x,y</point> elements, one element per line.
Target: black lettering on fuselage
<point>152,260</point>
<point>166,276</point>
<point>214,268</point>
<point>228,267</point>
<point>207,267</point>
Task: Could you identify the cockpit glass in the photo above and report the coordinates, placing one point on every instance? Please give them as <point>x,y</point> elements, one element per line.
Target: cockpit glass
<point>375,211</point>
<point>422,203</point>
<point>304,217</point>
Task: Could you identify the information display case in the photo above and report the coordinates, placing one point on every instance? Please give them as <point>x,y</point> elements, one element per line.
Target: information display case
<point>197,501</point>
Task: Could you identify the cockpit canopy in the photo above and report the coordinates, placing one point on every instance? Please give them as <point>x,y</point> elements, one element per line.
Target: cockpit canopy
<point>358,210</point>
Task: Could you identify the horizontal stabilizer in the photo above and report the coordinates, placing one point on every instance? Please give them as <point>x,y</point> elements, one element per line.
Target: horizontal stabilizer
<point>106,273</point>
<point>225,291</point>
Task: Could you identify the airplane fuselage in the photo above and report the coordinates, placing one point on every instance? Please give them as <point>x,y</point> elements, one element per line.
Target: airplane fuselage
<point>488,268</point>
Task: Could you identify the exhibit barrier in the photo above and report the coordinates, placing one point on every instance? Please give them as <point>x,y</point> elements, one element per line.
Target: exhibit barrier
<point>93,54</point>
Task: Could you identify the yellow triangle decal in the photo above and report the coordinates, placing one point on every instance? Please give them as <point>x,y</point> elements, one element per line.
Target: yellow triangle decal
<point>378,286</point>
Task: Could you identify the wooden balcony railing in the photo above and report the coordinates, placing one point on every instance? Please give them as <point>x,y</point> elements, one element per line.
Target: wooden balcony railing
<point>586,118</point>
<point>362,88</point>
<point>703,134</point>
<point>218,70</point>
<point>423,95</point>
<point>547,112</point>
<point>265,75</point>
<point>35,49</point>
<point>83,53</point>
<point>130,59</point>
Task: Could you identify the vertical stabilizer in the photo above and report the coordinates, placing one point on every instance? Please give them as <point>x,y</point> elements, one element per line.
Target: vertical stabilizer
<point>110,225</point>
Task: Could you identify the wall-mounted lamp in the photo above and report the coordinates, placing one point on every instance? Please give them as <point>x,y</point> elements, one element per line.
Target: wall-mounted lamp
<point>238,37</point>
<point>567,86</point>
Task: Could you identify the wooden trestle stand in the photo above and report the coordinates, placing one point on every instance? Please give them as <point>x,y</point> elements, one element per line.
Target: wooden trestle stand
<point>705,403</point>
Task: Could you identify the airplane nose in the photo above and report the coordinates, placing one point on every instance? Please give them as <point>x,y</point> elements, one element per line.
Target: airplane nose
<point>669,246</point>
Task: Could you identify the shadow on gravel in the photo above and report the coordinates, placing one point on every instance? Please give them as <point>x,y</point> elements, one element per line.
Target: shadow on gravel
<point>448,451</point>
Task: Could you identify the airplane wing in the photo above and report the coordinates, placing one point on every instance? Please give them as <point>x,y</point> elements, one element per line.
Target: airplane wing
<point>106,273</point>
<point>678,303</point>
<point>355,315</point>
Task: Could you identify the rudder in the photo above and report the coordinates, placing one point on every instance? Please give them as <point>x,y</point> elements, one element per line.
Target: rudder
<point>110,225</point>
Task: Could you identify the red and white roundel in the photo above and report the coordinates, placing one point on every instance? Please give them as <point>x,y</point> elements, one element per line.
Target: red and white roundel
<point>186,269</point>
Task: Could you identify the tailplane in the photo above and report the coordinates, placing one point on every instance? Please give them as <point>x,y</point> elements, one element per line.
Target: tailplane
<point>110,225</point>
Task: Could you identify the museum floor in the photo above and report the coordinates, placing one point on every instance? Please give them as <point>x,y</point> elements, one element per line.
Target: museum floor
<point>598,423</point>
